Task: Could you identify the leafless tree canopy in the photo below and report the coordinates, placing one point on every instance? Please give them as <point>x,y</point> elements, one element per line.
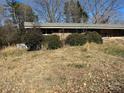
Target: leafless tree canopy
<point>101,11</point>
<point>98,11</point>
<point>50,10</point>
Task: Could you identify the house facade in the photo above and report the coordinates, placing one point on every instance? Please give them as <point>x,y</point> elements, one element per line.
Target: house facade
<point>64,29</point>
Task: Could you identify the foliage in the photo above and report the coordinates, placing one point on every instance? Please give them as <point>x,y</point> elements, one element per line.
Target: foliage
<point>114,51</point>
<point>81,39</point>
<point>94,37</point>
<point>76,39</point>
<point>74,12</point>
<point>21,13</point>
<point>1,43</point>
<point>52,42</point>
<point>25,13</point>
<point>1,9</point>
<point>33,40</point>
<point>14,5</point>
<point>9,35</point>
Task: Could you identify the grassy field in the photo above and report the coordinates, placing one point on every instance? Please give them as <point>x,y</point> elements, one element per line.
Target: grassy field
<point>65,70</point>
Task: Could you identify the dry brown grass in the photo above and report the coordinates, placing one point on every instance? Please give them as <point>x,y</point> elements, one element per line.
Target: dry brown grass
<point>66,70</point>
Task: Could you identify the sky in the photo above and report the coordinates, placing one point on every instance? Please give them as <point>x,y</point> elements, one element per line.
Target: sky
<point>30,2</point>
<point>33,5</point>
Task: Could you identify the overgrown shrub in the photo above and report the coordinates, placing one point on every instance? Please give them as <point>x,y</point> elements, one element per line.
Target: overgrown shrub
<point>14,38</point>
<point>76,39</point>
<point>33,40</point>
<point>3,41</point>
<point>52,42</point>
<point>94,37</point>
<point>1,44</point>
<point>9,35</point>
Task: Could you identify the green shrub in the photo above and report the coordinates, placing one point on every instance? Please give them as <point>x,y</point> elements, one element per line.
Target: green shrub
<point>33,40</point>
<point>94,37</point>
<point>75,39</point>
<point>1,44</point>
<point>52,42</point>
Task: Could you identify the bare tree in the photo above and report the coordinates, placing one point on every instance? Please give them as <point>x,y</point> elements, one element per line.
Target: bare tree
<point>101,11</point>
<point>50,10</point>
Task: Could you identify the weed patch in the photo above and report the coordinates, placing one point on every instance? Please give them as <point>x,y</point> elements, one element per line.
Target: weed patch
<point>114,51</point>
<point>79,66</point>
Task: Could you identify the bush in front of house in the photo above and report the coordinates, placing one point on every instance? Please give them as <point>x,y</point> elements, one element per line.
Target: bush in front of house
<point>76,39</point>
<point>13,38</point>
<point>1,44</point>
<point>33,40</point>
<point>52,42</point>
<point>9,35</point>
<point>3,41</point>
<point>94,37</point>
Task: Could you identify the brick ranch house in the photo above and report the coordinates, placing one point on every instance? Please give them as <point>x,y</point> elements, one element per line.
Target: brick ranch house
<point>64,29</point>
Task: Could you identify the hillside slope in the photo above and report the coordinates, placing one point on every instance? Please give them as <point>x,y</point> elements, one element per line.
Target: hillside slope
<point>66,70</point>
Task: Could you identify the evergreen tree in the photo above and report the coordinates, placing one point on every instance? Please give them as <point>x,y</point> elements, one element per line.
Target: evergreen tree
<point>21,13</point>
<point>74,12</point>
